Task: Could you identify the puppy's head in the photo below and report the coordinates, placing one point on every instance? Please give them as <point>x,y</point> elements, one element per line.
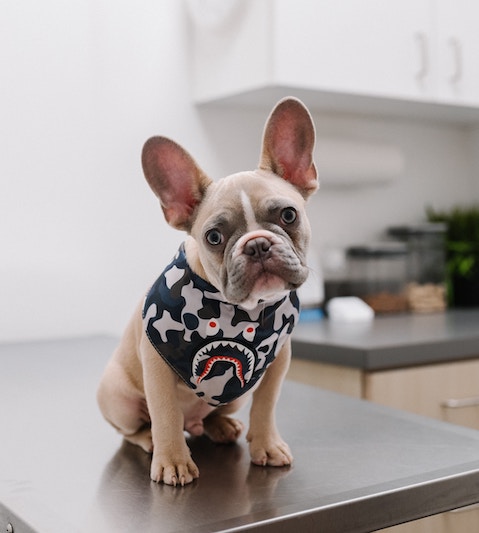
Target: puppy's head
<point>249,231</point>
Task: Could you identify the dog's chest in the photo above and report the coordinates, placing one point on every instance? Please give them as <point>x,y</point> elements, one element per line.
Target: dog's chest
<point>219,350</point>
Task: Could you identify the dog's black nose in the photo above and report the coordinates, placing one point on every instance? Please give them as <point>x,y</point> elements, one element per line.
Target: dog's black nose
<point>257,248</point>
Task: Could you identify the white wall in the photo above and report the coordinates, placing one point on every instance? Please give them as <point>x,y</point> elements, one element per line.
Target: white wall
<point>437,172</point>
<point>84,84</point>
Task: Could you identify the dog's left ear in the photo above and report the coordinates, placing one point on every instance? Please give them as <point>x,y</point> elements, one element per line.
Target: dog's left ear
<point>175,178</point>
<point>288,144</point>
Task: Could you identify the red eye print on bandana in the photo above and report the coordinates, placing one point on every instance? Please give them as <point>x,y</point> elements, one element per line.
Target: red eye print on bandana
<point>212,327</point>
<point>249,332</point>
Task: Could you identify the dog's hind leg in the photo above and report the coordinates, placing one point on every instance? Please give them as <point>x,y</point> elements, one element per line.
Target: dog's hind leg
<point>124,407</point>
<point>220,427</point>
<point>142,438</point>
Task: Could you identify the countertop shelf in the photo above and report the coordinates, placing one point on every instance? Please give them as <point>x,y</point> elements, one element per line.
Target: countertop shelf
<point>358,466</point>
<point>390,341</point>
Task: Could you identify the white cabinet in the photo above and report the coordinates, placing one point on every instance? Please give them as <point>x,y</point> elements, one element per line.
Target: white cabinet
<point>348,52</point>
<point>371,47</point>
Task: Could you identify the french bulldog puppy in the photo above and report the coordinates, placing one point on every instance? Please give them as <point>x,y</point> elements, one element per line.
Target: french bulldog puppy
<point>214,328</point>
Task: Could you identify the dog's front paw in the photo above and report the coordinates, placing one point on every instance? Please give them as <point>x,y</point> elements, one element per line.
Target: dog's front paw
<point>269,450</point>
<point>173,469</point>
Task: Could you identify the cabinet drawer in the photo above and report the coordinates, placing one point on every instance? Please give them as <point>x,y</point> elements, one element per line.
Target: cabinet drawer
<point>342,379</point>
<point>449,392</point>
<point>464,520</point>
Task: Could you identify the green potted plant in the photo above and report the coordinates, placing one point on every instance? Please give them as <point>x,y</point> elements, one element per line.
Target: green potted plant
<point>462,253</point>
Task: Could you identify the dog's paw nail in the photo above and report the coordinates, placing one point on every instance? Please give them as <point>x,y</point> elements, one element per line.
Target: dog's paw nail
<point>155,475</point>
<point>263,461</point>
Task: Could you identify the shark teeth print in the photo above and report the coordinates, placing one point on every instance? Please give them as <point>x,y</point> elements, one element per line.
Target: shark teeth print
<point>212,360</point>
<point>227,351</point>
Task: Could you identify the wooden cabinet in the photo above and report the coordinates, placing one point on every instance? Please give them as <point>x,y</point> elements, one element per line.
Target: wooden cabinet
<point>448,391</point>
<point>406,51</point>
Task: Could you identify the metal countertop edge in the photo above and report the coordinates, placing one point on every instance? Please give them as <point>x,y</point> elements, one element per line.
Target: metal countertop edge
<point>386,357</point>
<point>9,517</point>
<point>362,514</point>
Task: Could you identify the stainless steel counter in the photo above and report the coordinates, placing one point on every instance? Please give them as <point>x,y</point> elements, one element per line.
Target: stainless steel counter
<point>358,466</point>
<point>390,341</point>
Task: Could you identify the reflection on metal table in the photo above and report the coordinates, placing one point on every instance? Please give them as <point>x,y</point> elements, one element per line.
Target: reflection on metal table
<point>358,466</point>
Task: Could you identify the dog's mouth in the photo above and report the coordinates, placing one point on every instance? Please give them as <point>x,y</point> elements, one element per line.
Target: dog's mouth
<point>217,356</point>
<point>249,283</point>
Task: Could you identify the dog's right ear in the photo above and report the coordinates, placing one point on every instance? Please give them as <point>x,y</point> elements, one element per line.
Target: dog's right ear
<point>175,178</point>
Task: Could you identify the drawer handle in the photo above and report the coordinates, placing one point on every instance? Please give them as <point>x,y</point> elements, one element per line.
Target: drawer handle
<point>421,43</point>
<point>456,51</point>
<point>458,403</point>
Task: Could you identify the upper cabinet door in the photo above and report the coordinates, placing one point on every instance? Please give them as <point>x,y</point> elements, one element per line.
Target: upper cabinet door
<point>458,51</point>
<point>374,47</point>
<point>385,55</point>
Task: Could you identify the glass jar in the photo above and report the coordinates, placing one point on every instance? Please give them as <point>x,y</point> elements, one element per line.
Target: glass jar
<point>377,275</point>
<point>426,266</point>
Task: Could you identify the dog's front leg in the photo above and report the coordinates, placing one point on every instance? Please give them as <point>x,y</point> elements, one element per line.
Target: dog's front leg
<point>171,462</point>
<point>265,443</point>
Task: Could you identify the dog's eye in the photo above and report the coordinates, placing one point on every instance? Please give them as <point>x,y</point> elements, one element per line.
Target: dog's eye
<point>214,237</point>
<point>288,215</point>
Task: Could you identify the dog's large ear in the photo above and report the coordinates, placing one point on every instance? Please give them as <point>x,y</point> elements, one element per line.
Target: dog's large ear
<point>288,145</point>
<point>175,178</point>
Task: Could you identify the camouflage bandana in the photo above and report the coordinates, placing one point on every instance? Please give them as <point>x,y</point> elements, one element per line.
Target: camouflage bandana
<point>218,349</point>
